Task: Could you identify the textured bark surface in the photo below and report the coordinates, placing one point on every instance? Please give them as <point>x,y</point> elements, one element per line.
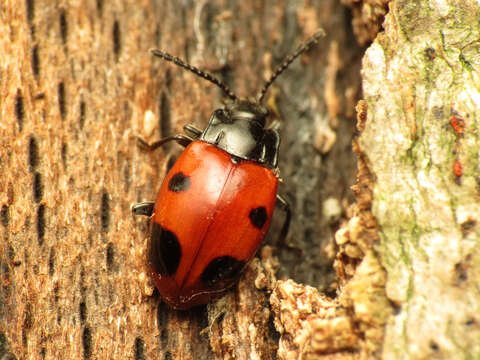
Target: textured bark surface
<point>77,84</point>
<point>420,141</point>
<point>367,18</point>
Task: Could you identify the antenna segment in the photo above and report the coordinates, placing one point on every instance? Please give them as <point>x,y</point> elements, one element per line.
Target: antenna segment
<point>312,40</point>
<point>196,71</point>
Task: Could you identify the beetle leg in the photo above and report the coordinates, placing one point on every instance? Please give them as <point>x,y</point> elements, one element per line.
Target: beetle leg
<point>143,208</point>
<point>180,139</point>
<point>285,206</point>
<point>192,131</point>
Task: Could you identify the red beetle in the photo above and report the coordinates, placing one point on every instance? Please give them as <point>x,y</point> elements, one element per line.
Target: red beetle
<point>216,203</point>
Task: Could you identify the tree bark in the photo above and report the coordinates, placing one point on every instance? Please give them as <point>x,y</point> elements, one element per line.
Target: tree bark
<point>77,84</point>
<point>420,141</point>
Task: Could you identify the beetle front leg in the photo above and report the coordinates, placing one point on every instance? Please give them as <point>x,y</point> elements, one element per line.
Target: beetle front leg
<point>180,139</point>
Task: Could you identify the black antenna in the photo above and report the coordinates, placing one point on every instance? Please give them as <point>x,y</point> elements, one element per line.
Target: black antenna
<point>196,71</point>
<point>312,40</point>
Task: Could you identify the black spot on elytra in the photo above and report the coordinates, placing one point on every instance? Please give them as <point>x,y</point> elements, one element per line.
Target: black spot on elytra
<point>220,269</point>
<point>35,62</point>
<point>105,212</point>
<point>117,45</point>
<point>61,99</point>
<point>33,153</point>
<point>41,223</point>
<point>63,26</point>
<point>87,342</point>
<point>168,356</point>
<point>138,350</point>
<point>179,182</point>
<point>165,250</point>
<point>258,217</point>
<point>37,187</point>
<point>5,217</point>
<point>19,110</point>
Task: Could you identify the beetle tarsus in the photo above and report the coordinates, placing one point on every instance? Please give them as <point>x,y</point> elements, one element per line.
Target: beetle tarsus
<point>144,208</point>
<point>192,131</point>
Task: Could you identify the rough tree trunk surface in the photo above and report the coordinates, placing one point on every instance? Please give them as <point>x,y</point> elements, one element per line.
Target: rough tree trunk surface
<point>421,141</point>
<point>77,84</point>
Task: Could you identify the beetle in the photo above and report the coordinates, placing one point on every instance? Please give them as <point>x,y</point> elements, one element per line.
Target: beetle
<point>216,203</point>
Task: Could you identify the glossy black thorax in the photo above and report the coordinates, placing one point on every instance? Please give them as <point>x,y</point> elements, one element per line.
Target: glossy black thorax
<point>239,129</point>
